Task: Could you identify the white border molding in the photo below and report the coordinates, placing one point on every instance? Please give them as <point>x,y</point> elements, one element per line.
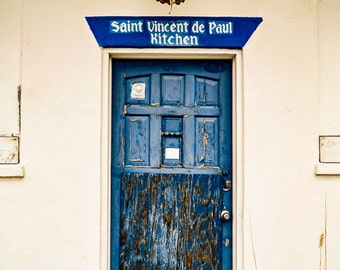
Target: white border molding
<point>108,55</point>
<point>12,171</point>
<point>327,169</point>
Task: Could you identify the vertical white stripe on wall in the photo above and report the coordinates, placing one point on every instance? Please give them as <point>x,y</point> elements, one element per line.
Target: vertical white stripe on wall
<point>10,79</point>
<point>10,65</point>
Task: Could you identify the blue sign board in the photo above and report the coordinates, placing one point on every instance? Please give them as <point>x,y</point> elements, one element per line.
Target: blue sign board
<point>173,32</point>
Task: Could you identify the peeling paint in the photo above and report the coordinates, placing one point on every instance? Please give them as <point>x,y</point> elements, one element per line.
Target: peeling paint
<point>205,141</point>
<point>170,222</point>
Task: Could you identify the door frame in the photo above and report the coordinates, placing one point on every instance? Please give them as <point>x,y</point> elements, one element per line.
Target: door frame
<point>110,54</point>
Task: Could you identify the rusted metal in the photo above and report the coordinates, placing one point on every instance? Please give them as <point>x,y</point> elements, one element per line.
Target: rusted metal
<point>171,2</point>
<point>227,185</point>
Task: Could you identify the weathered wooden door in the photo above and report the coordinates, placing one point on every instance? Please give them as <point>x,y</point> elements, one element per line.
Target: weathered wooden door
<point>171,165</point>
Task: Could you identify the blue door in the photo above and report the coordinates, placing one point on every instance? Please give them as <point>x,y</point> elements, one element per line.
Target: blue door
<point>171,164</point>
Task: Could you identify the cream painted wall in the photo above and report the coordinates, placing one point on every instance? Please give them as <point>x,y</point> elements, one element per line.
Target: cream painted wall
<point>284,201</point>
<point>51,218</point>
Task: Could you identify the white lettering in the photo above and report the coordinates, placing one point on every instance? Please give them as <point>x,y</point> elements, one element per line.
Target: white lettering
<point>183,27</point>
<point>124,27</point>
<point>220,28</point>
<point>115,27</point>
<point>127,26</point>
<point>198,27</point>
<point>137,27</point>
<point>167,27</point>
<point>173,27</point>
<point>154,39</point>
<point>173,40</point>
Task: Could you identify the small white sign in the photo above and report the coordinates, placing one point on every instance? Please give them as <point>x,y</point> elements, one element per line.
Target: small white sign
<point>172,153</point>
<point>138,90</point>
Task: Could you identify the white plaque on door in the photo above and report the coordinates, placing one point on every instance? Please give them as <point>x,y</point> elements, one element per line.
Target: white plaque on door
<point>138,90</point>
<point>172,153</point>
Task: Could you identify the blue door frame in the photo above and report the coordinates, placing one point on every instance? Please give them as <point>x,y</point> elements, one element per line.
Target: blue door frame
<point>171,167</point>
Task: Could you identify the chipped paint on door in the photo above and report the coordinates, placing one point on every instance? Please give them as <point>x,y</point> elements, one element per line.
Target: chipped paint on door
<point>171,160</point>
<point>170,221</point>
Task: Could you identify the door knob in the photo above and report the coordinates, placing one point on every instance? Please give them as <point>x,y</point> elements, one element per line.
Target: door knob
<point>225,215</point>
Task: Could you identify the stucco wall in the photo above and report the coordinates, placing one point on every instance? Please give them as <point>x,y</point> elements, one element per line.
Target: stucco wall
<point>50,219</point>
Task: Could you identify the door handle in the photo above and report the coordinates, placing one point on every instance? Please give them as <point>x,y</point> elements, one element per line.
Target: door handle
<point>225,215</point>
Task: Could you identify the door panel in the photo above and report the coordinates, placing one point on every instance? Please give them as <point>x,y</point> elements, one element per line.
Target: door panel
<point>137,140</point>
<point>174,225</point>
<point>171,158</point>
<point>207,141</point>
<point>172,90</point>
<point>206,92</point>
